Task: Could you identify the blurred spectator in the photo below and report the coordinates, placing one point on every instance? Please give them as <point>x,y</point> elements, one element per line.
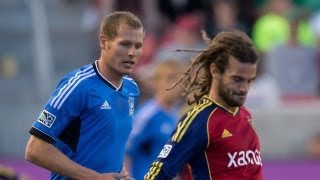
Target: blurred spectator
<point>312,5</point>
<point>9,66</point>
<point>185,35</point>
<point>155,119</point>
<point>224,16</point>
<point>90,22</point>
<point>9,174</point>
<point>172,9</point>
<point>248,12</point>
<point>149,48</point>
<point>293,65</point>
<point>273,28</point>
<point>313,145</point>
<point>315,23</point>
<point>144,79</point>
<point>129,5</point>
<point>264,92</point>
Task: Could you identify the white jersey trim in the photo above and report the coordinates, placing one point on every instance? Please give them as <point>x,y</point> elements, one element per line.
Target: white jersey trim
<point>64,92</point>
<point>117,88</point>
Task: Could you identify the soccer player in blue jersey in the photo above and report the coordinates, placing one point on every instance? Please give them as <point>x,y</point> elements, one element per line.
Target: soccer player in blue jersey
<point>155,119</point>
<point>83,129</point>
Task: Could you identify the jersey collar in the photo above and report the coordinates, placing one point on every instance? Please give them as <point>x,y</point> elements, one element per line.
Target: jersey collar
<point>235,112</point>
<point>95,66</point>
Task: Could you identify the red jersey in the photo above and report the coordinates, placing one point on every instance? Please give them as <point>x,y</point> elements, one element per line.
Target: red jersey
<point>216,143</point>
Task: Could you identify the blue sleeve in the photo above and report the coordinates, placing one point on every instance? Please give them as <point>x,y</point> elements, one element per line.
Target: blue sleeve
<point>188,139</point>
<point>64,105</point>
<point>140,134</point>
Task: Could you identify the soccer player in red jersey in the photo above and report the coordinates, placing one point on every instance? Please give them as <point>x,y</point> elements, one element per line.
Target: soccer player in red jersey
<point>216,138</point>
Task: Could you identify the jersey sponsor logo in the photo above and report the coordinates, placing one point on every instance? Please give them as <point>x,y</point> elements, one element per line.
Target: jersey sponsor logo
<point>243,158</point>
<point>105,105</point>
<point>46,118</point>
<point>131,106</point>
<point>226,134</point>
<point>165,151</point>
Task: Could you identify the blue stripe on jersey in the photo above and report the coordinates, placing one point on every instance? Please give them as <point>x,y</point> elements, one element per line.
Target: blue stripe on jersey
<point>74,80</point>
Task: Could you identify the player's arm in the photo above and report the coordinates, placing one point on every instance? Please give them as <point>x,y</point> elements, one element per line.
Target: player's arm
<point>41,148</point>
<point>55,117</point>
<point>188,139</point>
<point>46,155</point>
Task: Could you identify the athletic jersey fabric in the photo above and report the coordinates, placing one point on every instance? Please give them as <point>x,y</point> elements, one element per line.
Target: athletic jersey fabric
<point>88,119</point>
<point>216,143</point>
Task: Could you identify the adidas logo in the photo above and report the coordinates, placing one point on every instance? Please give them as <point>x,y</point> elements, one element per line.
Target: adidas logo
<point>226,133</point>
<point>105,105</point>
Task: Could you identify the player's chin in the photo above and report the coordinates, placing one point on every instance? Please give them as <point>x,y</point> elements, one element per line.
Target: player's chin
<point>239,101</point>
<point>127,71</point>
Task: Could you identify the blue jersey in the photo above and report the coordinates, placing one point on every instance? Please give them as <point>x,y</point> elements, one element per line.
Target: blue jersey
<point>89,120</point>
<point>152,128</point>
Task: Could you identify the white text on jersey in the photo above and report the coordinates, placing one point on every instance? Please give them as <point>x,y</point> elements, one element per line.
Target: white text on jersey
<point>243,158</point>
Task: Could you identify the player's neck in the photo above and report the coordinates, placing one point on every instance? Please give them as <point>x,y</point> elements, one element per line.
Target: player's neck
<point>217,99</point>
<point>109,75</point>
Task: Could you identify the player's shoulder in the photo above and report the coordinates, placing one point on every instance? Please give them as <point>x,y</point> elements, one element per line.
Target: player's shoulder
<point>202,110</point>
<point>72,85</point>
<point>79,77</point>
<point>243,110</point>
<point>81,73</point>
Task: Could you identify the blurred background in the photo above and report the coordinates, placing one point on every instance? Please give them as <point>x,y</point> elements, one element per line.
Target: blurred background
<point>41,40</point>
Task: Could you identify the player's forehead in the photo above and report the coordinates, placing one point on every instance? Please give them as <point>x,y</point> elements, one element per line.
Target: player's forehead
<point>237,68</point>
<point>127,33</point>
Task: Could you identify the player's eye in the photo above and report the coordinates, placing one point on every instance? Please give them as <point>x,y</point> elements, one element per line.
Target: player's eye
<point>126,44</point>
<point>138,46</point>
<point>237,79</point>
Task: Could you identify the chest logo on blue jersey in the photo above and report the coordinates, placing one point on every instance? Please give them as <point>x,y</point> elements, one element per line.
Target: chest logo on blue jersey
<point>105,105</point>
<point>46,118</point>
<point>131,106</point>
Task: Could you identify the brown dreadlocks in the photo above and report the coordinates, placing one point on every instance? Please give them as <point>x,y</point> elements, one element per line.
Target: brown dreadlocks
<point>196,81</point>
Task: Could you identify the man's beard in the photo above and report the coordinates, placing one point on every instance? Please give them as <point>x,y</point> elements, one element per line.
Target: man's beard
<point>227,95</point>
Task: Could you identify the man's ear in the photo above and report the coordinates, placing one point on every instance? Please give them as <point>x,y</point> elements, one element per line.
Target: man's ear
<point>214,71</point>
<point>103,42</point>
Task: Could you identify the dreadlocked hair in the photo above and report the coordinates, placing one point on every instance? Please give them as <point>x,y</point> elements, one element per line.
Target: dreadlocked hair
<point>196,81</point>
